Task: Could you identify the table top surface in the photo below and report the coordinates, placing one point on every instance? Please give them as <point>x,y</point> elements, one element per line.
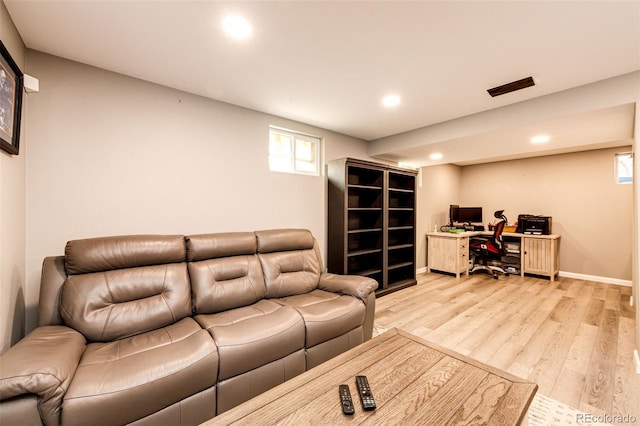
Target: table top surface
<point>412,380</point>
<point>504,234</point>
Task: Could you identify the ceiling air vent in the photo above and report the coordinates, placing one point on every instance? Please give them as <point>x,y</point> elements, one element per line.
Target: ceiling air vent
<point>511,87</point>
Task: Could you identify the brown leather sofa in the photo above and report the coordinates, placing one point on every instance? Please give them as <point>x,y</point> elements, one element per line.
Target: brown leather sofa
<point>173,330</point>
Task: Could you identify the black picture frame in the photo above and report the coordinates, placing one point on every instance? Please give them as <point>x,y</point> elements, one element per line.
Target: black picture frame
<point>11,89</point>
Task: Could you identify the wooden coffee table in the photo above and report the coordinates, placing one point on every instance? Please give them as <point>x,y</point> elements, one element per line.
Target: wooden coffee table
<point>413,382</point>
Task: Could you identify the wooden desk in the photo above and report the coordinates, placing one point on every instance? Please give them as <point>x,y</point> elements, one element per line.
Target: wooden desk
<point>449,252</point>
<point>413,382</point>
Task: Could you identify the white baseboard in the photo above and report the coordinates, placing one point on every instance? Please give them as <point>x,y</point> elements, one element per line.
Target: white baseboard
<point>606,280</point>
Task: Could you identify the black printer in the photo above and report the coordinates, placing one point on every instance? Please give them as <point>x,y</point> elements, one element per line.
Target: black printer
<point>535,225</point>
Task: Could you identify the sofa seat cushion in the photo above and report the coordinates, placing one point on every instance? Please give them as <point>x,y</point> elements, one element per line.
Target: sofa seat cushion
<point>125,380</point>
<point>252,336</point>
<point>326,315</point>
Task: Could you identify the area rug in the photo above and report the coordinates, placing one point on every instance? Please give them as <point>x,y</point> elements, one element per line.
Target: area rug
<point>545,411</point>
<point>378,330</point>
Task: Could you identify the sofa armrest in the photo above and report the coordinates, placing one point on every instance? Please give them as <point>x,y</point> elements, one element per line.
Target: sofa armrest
<point>43,363</point>
<point>352,285</point>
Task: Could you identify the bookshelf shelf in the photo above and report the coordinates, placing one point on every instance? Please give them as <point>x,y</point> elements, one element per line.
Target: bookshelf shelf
<point>372,222</point>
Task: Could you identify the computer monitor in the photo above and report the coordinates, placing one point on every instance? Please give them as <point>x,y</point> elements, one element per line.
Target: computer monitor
<point>470,214</point>
<point>453,214</point>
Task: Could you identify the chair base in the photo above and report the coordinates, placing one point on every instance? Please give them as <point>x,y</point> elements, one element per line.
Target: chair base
<point>493,270</point>
<point>484,266</point>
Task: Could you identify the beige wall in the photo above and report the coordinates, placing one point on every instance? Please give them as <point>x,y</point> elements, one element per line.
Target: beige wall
<point>438,187</point>
<point>12,212</point>
<point>110,154</point>
<point>592,214</point>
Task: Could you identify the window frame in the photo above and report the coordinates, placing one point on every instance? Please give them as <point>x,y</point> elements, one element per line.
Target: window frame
<point>293,156</point>
<point>618,179</point>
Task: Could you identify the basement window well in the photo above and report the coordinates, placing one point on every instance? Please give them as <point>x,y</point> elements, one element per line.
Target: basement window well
<point>293,152</point>
<point>624,167</point>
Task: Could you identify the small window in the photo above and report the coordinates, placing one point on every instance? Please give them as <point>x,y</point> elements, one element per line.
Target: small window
<point>624,167</point>
<point>292,152</point>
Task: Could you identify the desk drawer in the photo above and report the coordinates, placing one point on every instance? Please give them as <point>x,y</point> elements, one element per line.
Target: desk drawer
<point>448,254</point>
<point>464,256</point>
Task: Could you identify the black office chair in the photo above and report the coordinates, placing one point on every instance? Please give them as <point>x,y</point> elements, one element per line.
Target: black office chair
<point>484,250</point>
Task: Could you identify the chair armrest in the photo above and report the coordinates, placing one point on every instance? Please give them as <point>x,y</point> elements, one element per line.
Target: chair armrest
<point>352,285</point>
<point>42,363</point>
<point>479,239</point>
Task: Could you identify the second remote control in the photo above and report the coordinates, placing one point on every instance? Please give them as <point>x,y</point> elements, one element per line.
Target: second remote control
<point>345,399</point>
<point>366,397</point>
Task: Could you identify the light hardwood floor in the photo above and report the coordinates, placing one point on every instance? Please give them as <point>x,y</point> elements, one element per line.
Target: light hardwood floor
<point>574,338</point>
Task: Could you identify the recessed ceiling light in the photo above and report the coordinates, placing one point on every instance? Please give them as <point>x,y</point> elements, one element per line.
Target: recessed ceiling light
<point>391,101</point>
<point>237,27</point>
<point>436,156</point>
<point>540,139</point>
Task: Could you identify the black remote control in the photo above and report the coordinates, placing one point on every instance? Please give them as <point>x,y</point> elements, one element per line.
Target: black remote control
<point>345,399</point>
<point>368,403</point>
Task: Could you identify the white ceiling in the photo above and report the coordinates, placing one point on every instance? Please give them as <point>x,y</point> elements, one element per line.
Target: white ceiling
<point>330,63</point>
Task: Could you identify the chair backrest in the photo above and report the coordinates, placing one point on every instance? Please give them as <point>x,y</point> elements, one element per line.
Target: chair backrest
<point>497,234</point>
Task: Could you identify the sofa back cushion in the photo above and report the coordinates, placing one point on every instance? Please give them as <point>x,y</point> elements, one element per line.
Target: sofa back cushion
<point>117,287</point>
<point>290,261</point>
<point>225,271</point>
<point>107,253</point>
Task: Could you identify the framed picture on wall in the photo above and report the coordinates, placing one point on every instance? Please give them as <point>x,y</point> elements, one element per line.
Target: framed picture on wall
<point>11,84</point>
